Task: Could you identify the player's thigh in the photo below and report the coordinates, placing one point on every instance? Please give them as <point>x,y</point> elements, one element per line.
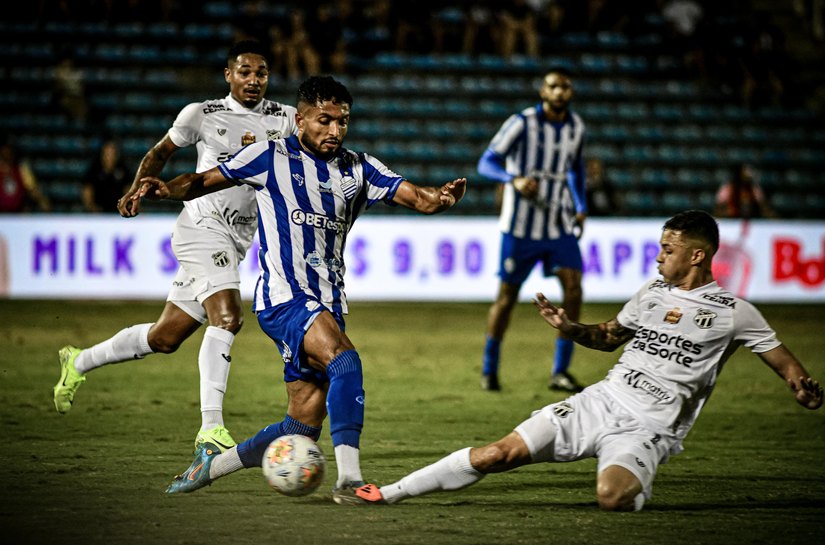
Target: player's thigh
<point>507,453</point>
<point>324,340</point>
<point>629,458</point>
<point>307,402</point>
<point>208,255</point>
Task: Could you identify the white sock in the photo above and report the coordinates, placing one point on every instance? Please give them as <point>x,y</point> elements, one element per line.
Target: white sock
<point>452,472</point>
<point>348,460</point>
<point>225,463</point>
<point>213,362</point>
<point>131,343</point>
<point>639,501</point>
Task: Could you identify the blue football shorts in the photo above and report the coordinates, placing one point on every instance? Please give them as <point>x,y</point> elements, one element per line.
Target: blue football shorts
<point>520,255</point>
<point>287,324</point>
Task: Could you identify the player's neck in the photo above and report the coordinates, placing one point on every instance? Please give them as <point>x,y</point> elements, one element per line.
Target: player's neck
<point>696,279</point>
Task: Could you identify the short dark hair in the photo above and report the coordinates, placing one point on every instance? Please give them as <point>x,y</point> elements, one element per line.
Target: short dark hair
<point>697,225</point>
<point>317,89</point>
<point>246,46</point>
<point>560,70</point>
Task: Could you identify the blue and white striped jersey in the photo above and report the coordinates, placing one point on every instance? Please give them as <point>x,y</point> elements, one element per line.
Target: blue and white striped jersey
<point>306,207</point>
<point>552,154</point>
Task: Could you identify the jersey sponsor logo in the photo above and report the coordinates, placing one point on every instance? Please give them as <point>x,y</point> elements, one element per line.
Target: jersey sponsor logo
<point>212,107</point>
<point>299,217</point>
<point>727,300</point>
<point>233,217</point>
<point>673,316</point>
<point>640,381</point>
<point>659,284</point>
<point>704,318</point>
<point>315,260</point>
<point>285,153</point>
<point>675,348</point>
<point>563,409</point>
<point>220,259</point>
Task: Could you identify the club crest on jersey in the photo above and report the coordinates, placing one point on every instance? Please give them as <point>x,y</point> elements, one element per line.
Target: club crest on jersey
<point>220,259</point>
<point>563,409</point>
<point>673,316</point>
<point>349,186</point>
<point>273,134</point>
<point>704,318</point>
<point>247,138</point>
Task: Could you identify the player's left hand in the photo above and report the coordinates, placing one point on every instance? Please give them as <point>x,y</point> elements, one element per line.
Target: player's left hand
<point>153,189</point>
<point>808,392</point>
<point>452,192</point>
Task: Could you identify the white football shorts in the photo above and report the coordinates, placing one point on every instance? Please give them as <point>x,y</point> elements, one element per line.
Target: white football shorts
<point>208,260</point>
<point>591,424</point>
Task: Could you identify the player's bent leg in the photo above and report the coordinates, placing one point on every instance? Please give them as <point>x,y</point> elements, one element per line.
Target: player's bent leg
<point>617,489</point>
<point>174,326</point>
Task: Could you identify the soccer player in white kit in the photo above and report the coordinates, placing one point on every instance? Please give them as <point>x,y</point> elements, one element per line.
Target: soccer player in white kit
<point>310,190</point>
<point>211,237</point>
<point>680,330</point>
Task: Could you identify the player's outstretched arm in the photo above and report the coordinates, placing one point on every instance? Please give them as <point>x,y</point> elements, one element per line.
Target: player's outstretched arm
<point>183,188</point>
<point>151,165</point>
<point>806,390</point>
<point>430,199</point>
<point>607,336</point>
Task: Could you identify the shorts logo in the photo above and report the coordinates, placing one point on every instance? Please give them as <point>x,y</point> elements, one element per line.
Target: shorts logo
<point>673,316</point>
<point>286,353</point>
<point>312,305</point>
<point>704,318</point>
<point>640,463</point>
<point>359,400</point>
<point>220,259</point>
<point>509,264</point>
<point>563,409</point>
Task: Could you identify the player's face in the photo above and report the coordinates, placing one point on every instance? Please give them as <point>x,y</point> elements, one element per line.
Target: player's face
<point>676,257</point>
<point>556,92</point>
<point>247,78</point>
<point>322,127</point>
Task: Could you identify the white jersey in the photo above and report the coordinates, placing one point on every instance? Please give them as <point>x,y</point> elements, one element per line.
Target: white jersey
<point>219,128</point>
<point>307,207</point>
<point>683,338</point>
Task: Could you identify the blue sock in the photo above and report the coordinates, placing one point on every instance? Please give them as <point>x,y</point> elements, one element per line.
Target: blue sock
<point>251,451</point>
<point>491,354</point>
<point>564,352</point>
<point>345,399</point>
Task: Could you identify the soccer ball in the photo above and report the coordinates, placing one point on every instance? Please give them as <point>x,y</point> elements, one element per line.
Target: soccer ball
<point>294,465</point>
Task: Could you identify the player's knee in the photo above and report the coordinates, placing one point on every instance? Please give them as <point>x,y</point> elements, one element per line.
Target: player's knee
<point>486,459</point>
<point>162,343</point>
<point>230,321</point>
<point>613,498</point>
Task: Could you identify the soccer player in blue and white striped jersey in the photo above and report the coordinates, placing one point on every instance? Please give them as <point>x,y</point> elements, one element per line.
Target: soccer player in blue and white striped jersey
<point>537,156</point>
<point>309,191</point>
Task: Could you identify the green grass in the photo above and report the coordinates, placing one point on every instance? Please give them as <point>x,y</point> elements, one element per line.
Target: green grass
<point>752,472</point>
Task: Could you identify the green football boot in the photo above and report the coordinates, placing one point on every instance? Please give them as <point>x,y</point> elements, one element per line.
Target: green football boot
<point>218,436</point>
<point>70,380</point>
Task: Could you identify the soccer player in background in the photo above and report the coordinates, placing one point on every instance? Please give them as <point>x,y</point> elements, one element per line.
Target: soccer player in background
<point>211,237</point>
<point>537,156</point>
<point>309,190</point>
<point>682,329</point>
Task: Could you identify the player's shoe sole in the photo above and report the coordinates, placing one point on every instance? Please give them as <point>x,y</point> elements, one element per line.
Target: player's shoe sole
<point>197,474</point>
<point>370,493</point>
<point>218,436</point>
<point>346,494</point>
<point>70,379</point>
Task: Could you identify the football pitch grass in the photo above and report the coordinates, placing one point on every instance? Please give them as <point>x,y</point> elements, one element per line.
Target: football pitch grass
<point>753,470</point>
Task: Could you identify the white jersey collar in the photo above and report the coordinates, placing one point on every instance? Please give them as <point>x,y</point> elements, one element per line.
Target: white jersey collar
<point>237,107</point>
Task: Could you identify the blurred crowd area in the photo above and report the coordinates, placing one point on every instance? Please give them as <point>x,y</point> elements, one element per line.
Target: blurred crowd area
<point>677,94</point>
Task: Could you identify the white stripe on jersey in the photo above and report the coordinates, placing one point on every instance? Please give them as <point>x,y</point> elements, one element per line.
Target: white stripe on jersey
<point>306,209</point>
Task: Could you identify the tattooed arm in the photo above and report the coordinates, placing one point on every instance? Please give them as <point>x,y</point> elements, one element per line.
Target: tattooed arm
<point>607,336</point>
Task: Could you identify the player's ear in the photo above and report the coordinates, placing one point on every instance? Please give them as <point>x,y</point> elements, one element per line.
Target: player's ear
<point>226,73</point>
<point>698,256</point>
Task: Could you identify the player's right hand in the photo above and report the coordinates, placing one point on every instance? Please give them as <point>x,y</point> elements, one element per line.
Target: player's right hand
<point>153,189</point>
<point>128,205</point>
<point>553,315</point>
